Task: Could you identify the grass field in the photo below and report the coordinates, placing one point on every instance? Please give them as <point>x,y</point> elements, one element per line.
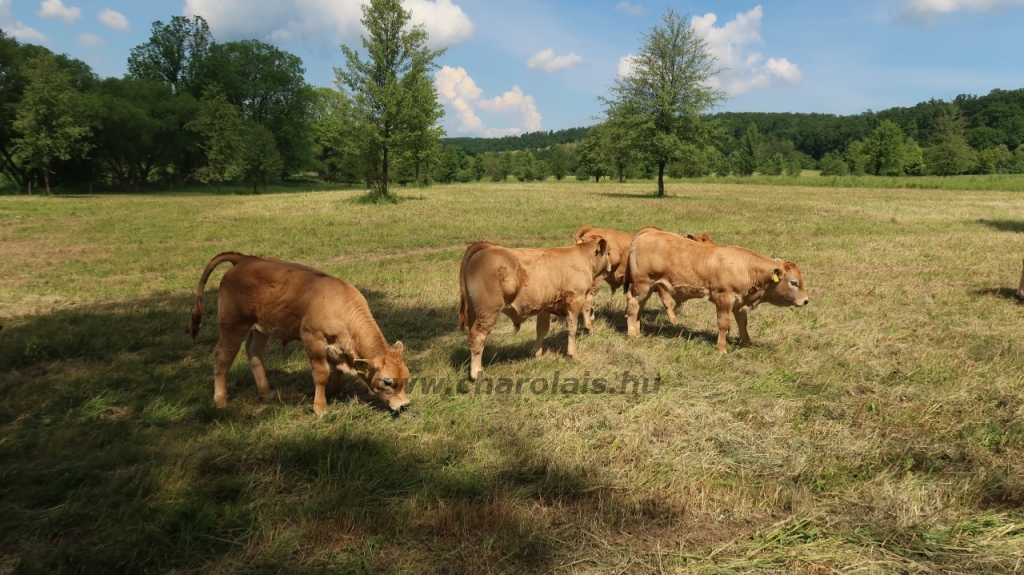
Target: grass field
<point>878,430</point>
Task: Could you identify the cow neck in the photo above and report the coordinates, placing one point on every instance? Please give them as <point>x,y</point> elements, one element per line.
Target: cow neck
<point>369,343</point>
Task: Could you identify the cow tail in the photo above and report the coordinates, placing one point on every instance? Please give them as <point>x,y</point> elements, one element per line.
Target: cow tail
<point>463,302</point>
<point>197,310</point>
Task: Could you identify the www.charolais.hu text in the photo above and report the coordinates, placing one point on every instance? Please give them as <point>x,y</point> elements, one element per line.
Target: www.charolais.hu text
<point>626,383</point>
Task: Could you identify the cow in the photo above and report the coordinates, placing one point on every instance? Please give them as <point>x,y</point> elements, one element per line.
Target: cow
<point>735,279</point>
<point>262,298</point>
<point>522,283</point>
<point>618,254</point>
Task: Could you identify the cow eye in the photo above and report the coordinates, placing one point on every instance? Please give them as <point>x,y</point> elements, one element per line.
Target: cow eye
<point>794,283</point>
<point>388,382</point>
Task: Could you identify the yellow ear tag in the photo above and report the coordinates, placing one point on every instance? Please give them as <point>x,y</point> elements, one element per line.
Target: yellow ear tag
<point>579,242</point>
<point>776,278</point>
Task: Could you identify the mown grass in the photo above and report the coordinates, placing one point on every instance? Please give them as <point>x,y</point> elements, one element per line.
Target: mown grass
<point>879,430</point>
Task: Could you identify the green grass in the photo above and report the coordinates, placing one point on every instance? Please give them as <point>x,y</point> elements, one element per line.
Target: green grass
<point>879,430</point>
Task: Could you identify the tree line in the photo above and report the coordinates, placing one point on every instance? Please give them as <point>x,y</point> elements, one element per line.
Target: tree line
<point>191,109</point>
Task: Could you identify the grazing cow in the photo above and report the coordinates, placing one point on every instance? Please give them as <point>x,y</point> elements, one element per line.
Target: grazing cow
<point>734,279</point>
<point>263,298</point>
<point>618,255</point>
<point>522,283</point>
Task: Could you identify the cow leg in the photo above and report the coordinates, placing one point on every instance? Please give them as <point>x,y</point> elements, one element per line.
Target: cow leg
<point>223,356</point>
<point>543,324</point>
<point>334,383</point>
<point>588,310</point>
<point>477,334</point>
<point>316,351</point>
<point>636,299</point>
<point>669,301</point>
<point>723,329</point>
<point>741,323</point>
<point>571,325</point>
<point>254,346</point>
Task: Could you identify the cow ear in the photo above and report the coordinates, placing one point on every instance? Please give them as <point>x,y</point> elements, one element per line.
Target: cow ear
<point>776,275</point>
<point>601,246</point>
<point>398,347</point>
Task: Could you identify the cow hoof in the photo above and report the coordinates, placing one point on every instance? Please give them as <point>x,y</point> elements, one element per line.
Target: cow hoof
<point>220,402</point>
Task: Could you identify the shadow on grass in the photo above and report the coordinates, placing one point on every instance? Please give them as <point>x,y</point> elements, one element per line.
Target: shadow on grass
<point>115,460</point>
<point>1003,292</point>
<point>652,195</point>
<point>1004,225</point>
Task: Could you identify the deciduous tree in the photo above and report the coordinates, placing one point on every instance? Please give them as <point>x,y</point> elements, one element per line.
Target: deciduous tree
<point>175,53</point>
<point>221,126</point>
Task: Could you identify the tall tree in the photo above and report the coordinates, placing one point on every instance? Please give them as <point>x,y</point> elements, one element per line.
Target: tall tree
<point>333,134</point>
<point>558,164</point>
<point>590,161</point>
<point>950,154</point>
<point>51,118</point>
<point>222,128</point>
<point>268,87</point>
<point>260,160</point>
<point>884,149</point>
<point>175,54</point>
<point>748,154</point>
<point>392,93</point>
<point>618,137</point>
<point>668,91</point>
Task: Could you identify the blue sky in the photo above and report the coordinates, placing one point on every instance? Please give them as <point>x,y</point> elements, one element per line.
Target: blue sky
<point>524,65</point>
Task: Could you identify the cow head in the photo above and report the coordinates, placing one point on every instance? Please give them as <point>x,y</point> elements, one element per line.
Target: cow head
<point>581,235</point>
<point>596,249</point>
<point>701,239</point>
<point>786,286</point>
<point>386,375</point>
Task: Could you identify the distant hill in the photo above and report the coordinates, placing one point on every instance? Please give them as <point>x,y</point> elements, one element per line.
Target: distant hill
<point>994,119</point>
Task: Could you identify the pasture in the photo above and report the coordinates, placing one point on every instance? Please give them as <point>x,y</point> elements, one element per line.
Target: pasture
<point>878,430</point>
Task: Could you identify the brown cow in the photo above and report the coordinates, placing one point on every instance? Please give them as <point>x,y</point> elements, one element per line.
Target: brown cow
<point>735,279</point>
<point>522,283</point>
<point>618,255</point>
<point>263,298</point>
<point>1020,288</point>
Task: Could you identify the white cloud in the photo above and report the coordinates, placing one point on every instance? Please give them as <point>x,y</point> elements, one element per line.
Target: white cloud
<point>628,8</point>
<point>927,11</point>
<point>113,19</point>
<point>458,90</point>
<point>627,65</point>
<point>16,28</point>
<point>547,61</point>
<point>743,69</point>
<point>90,40</point>
<point>325,22</point>
<point>57,9</point>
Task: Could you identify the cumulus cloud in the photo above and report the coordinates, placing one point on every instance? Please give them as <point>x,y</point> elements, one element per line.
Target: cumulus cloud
<point>927,11</point>
<point>627,65</point>
<point>745,70</point>
<point>90,40</point>
<point>547,61</point>
<point>57,9</point>
<point>629,8</point>
<point>16,28</point>
<point>458,90</point>
<point>114,20</point>
<point>325,22</point>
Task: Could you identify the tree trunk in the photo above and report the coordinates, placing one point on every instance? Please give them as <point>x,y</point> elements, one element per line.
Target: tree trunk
<point>254,190</point>
<point>30,186</point>
<point>417,173</point>
<point>384,174</point>
<point>46,178</point>
<point>622,174</point>
<point>661,178</point>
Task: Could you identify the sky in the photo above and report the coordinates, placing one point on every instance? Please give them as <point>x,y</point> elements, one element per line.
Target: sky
<point>526,65</point>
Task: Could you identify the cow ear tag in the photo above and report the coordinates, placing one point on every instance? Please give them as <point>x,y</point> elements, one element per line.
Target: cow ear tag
<point>579,242</point>
<point>776,278</point>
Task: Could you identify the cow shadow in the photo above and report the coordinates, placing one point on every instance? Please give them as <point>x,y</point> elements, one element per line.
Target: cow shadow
<point>556,342</point>
<point>112,403</point>
<point>1016,226</point>
<point>1002,292</point>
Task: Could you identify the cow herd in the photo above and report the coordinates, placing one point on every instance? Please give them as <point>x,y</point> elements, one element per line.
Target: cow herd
<point>263,298</point>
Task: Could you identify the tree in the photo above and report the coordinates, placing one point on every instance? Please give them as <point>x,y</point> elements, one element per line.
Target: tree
<point>618,138</point>
<point>884,149</point>
<point>260,160</point>
<point>558,164</point>
<point>668,91</point>
<point>220,124</point>
<point>503,168</point>
<point>833,164</point>
<point>913,158</point>
<point>392,92</point>
<point>526,166</point>
<point>51,118</point>
<point>856,158</point>
<point>175,53</point>
<point>267,85</point>
<point>590,162</point>
<point>748,155</point>
<point>331,134</point>
<point>479,168</point>
<point>950,154</point>
<point>449,164</point>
